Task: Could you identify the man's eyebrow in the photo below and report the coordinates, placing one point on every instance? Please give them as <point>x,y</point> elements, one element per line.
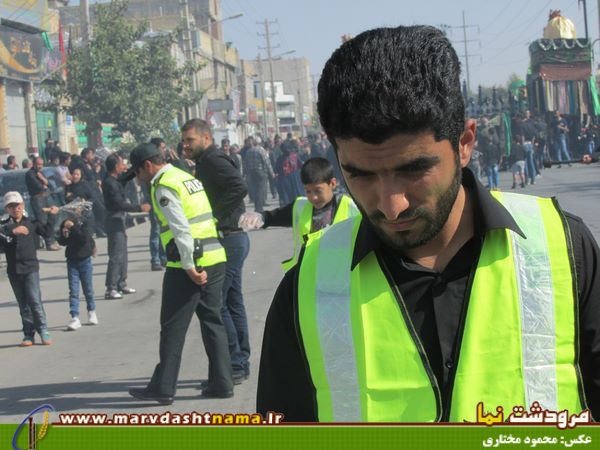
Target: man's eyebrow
<point>415,165</point>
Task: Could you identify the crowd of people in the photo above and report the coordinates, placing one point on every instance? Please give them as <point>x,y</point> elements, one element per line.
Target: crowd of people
<point>97,199</point>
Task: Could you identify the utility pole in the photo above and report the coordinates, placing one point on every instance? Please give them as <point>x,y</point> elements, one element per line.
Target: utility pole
<point>262,95</point>
<point>465,41</point>
<point>186,36</point>
<point>269,49</point>
<point>85,20</point>
<point>598,15</point>
<point>301,106</point>
<point>92,137</point>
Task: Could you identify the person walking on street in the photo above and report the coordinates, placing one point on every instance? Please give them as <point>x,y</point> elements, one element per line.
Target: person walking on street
<point>193,279</point>
<point>529,133</point>
<point>561,131</point>
<point>258,172</point>
<point>441,294</point>
<point>117,205</point>
<point>37,185</point>
<point>226,190</point>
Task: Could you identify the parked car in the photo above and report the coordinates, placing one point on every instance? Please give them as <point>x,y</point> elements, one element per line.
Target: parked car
<point>14,180</point>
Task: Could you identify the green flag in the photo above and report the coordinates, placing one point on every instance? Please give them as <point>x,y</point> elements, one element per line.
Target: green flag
<point>47,42</point>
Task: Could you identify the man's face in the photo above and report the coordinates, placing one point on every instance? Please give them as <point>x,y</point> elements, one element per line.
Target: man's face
<point>120,167</point>
<point>406,186</point>
<point>226,147</point>
<point>194,143</point>
<point>319,194</point>
<point>15,210</point>
<point>39,164</point>
<point>144,174</point>
<point>76,176</point>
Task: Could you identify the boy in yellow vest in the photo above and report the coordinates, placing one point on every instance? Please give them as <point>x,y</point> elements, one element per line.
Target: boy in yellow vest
<point>320,208</point>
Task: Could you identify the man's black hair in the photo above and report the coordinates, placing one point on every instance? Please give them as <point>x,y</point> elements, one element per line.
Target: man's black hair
<point>392,80</point>
<point>157,160</point>
<point>64,157</point>
<point>87,150</point>
<point>199,125</point>
<point>157,141</point>
<point>111,162</point>
<point>316,170</point>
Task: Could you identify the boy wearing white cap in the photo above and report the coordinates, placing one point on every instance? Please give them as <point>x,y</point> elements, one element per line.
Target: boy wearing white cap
<point>20,245</point>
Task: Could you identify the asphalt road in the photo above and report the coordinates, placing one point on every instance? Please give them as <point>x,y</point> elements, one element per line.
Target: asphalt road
<point>90,370</point>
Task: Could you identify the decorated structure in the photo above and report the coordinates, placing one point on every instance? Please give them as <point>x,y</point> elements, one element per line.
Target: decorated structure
<point>561,71</point>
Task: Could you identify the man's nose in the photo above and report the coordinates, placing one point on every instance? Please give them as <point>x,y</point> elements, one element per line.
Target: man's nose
<point>392,200</point>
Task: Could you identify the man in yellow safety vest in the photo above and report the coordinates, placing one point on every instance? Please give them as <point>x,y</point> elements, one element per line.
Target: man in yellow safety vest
<point>440,295</point>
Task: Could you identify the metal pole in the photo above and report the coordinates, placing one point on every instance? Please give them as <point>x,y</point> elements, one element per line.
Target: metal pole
<point>262,95</point>
<point>273,95</point>
<point>585,21</point>
<point>464,27</point>
<point>192,111</point>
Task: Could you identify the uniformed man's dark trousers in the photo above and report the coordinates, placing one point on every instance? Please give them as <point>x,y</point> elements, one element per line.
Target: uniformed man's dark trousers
<point>181,298</point>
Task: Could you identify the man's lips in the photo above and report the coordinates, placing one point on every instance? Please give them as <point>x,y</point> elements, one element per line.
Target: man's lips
<point>399,225</point>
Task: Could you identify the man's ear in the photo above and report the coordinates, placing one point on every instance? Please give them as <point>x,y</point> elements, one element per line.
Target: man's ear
<point>467,142</point>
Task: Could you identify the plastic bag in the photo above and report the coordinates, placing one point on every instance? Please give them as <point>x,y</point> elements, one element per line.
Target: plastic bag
<point>251,221</point>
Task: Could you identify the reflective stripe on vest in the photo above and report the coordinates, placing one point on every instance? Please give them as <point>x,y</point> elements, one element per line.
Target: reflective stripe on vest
<point>302,223</point>
<point>519,341</point>
<point>197,210</point>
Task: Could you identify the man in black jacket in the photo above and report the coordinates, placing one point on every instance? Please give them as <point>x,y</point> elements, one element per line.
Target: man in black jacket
<point>117,205</point>
<point>37,185</point>
<point>85,164</point>
<point>226,190</point>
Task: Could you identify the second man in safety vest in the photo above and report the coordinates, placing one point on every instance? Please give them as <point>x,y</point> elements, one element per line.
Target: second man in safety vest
<point>320,208</point>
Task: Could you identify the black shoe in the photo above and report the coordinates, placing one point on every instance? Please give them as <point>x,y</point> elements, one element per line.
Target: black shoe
<point>559,166</point>
<point>522,185</point>
<point>213,393</point>
<point>240,377</point>
<point>145,394</point>
<point>157,268</point>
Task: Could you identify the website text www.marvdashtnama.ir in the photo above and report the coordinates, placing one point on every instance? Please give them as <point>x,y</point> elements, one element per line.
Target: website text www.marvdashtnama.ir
<point>169,418</point>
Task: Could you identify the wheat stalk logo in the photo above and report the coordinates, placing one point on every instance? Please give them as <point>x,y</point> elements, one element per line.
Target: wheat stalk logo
<point>44,428</point>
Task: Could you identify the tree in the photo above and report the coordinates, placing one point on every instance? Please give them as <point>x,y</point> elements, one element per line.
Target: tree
<point>129,77</point>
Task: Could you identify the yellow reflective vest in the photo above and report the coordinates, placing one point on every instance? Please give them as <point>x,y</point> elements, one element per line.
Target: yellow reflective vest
<point>198,212</point>
<point>302,223</point>
<point>518,338</point>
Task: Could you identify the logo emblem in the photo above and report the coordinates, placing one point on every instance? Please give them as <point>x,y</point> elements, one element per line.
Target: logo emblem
<point>33,435</point>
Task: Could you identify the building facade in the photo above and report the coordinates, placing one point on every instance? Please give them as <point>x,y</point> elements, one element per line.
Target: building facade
<point>31,51</point>
<point>294,96</point>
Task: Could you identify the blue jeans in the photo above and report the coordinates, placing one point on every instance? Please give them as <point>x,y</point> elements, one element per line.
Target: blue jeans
<point>157,252</point>
<point>237,247</point>
<point>492,175</point>
<point>561,149</point>
<point>530,169</point>
<point>80,270</point>
<point>29,297</point>
<point>591,146</point>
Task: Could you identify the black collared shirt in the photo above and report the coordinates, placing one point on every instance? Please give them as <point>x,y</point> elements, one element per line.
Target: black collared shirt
<point>434,301</point>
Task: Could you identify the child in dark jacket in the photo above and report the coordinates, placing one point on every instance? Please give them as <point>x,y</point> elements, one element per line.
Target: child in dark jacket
<point>18,238</point>
<point>77,237</point>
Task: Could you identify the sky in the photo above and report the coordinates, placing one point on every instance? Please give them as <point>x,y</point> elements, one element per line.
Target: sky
<point>501,31</point>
